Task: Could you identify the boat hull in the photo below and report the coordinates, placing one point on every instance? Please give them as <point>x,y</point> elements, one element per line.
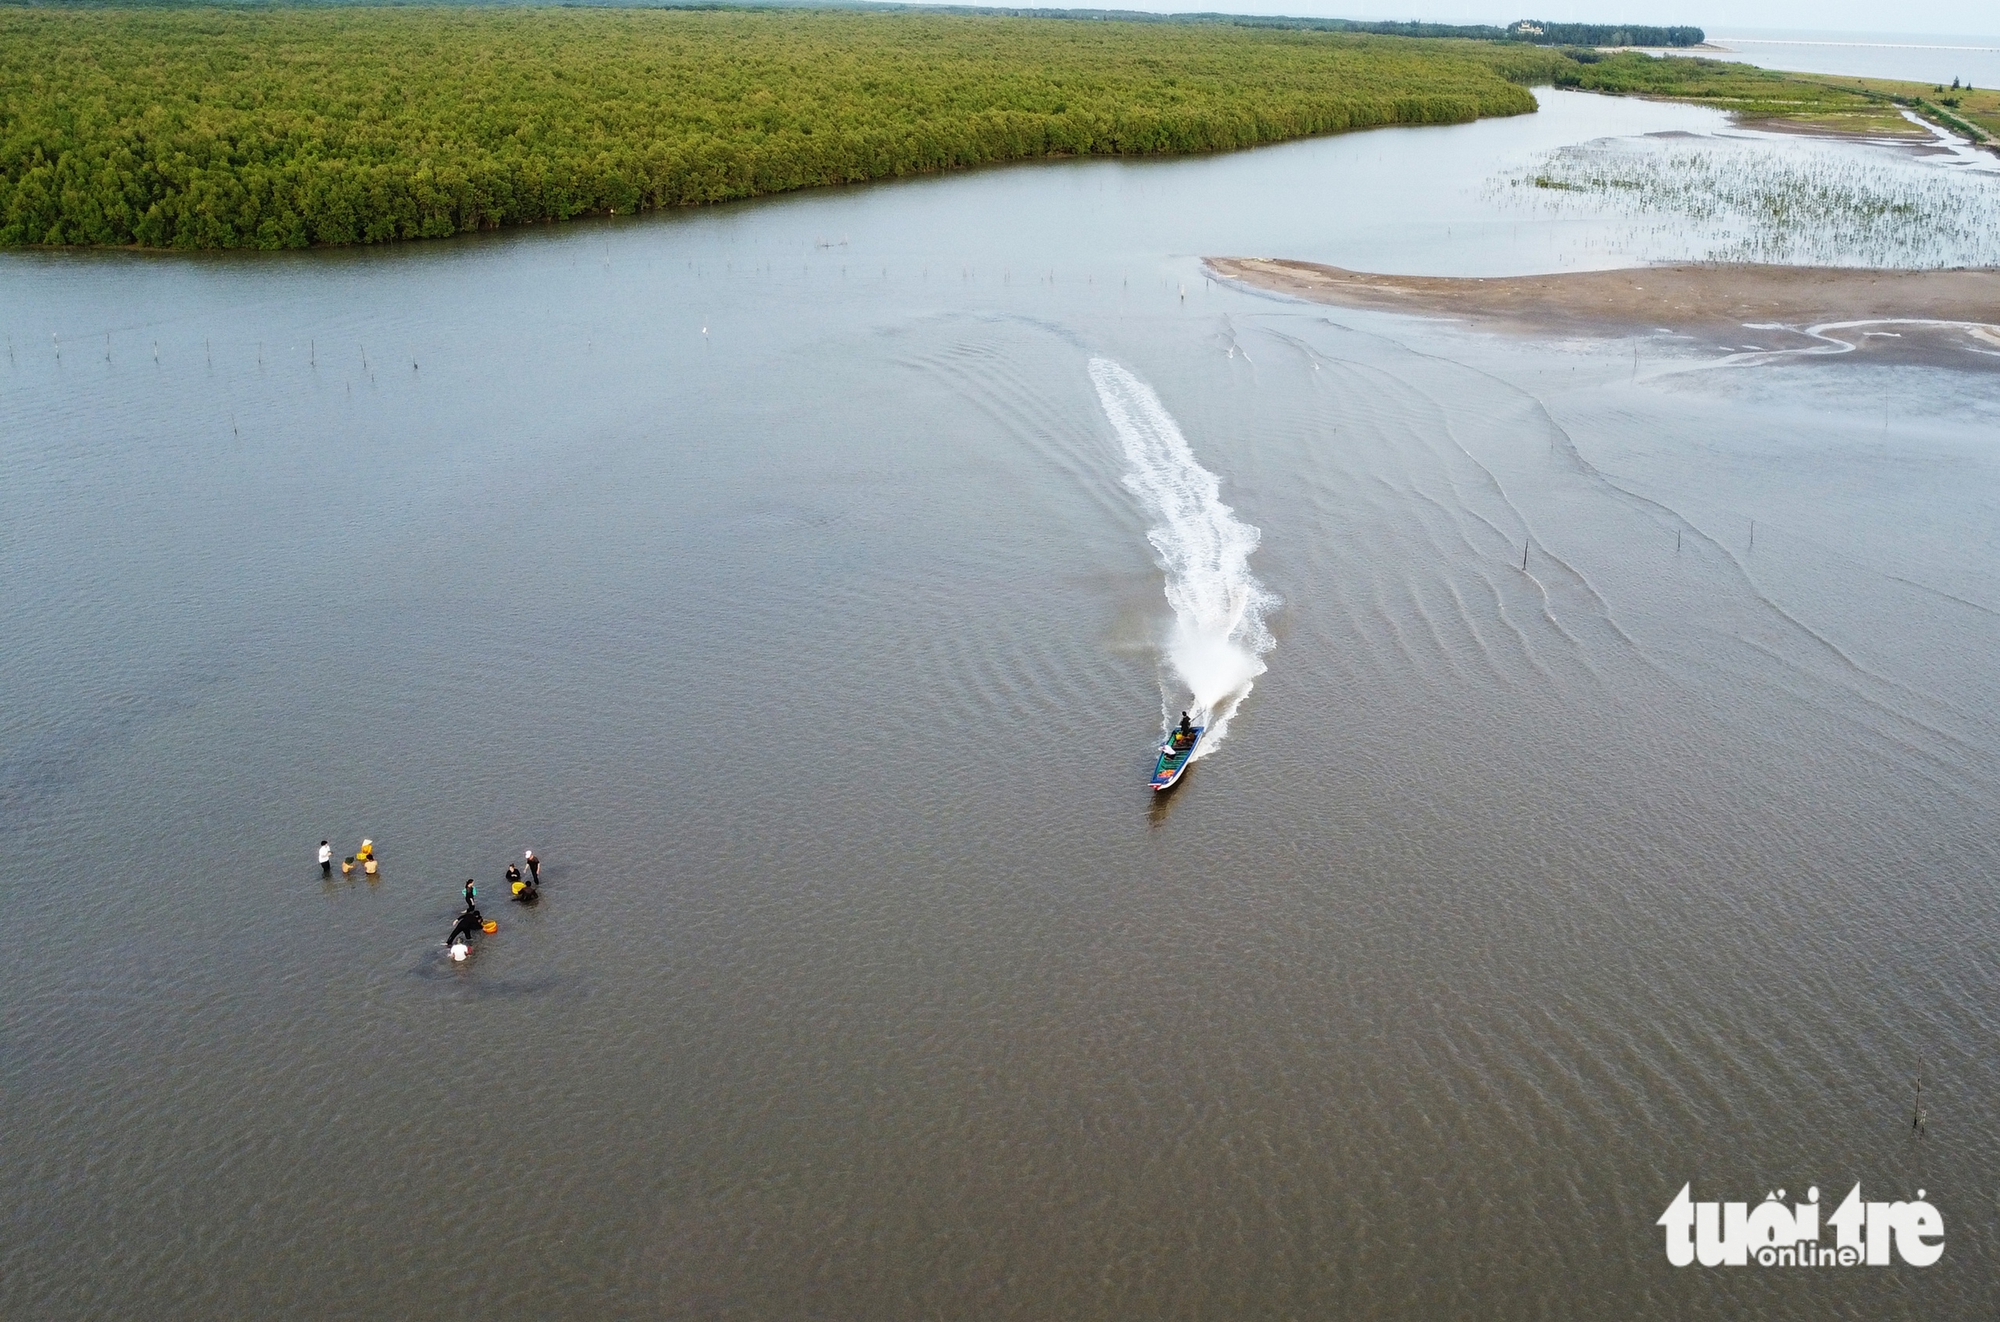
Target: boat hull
<point>1174,760</point>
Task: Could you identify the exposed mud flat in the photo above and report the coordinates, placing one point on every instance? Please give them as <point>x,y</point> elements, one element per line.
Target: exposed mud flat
<point>1946,317</point>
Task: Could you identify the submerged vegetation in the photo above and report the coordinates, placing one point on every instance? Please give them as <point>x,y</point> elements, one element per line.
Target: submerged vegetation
<point>1818,204</point>
<point>274,128</point>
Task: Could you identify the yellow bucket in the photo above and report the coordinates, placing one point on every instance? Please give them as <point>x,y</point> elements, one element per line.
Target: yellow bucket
<point>492,928</point>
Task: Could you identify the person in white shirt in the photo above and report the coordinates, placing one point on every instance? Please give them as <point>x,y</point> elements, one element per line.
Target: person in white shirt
<point>325,859</point>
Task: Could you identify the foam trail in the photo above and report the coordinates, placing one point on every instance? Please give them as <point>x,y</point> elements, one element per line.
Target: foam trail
<point>1218,639</point>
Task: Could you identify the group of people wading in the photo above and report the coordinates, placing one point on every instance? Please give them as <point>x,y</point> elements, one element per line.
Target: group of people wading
<point>522,891</point>
<point>363,858</point>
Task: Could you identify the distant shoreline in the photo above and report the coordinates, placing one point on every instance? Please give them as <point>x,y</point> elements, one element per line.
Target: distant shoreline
<point>1722,43</point>
<point>1790,307</point>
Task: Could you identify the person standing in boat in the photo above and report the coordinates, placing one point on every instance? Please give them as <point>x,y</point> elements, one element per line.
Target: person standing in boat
<point>1187,728</point>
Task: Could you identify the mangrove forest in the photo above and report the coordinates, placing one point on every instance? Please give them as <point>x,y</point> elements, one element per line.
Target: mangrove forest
<point>280,127</point>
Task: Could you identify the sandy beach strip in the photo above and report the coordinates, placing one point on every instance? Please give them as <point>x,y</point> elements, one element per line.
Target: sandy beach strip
<point>1722,304</point>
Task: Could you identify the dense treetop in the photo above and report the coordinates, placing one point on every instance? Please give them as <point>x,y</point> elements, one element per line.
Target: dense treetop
<point>1603,34</point>
<point>273,127</point>
<point>210,128</point>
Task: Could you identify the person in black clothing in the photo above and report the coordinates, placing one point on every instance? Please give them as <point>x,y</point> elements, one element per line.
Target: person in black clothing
<point>468,923</point>
<point>471,892</point>
<point>534,866</point>
<point>513,875</point>
<point>1187,728</point>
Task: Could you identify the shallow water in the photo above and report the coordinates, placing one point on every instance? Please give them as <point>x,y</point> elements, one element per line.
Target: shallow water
<point>772,571</point>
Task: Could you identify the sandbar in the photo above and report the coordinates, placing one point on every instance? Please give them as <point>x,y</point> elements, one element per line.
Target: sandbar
<point>1930,315</point>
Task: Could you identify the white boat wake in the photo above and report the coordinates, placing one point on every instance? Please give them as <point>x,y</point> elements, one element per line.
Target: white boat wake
<point>1218,639</point>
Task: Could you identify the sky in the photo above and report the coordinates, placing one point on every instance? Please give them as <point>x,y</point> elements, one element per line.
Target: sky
<point>1978,18</point>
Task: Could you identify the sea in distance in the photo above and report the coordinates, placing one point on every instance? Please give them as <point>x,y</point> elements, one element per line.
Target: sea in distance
<point>1921,57</point>
<point>1605,803</point>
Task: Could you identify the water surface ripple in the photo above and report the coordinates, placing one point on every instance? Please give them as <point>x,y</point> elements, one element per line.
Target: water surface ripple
<point>771,571</point>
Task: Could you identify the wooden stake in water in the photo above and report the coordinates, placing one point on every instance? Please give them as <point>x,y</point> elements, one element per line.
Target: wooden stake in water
<point>1917,1121</point>
<point>1524,557</point>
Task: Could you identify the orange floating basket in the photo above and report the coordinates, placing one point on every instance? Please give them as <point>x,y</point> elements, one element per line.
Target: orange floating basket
<point>492,928</point>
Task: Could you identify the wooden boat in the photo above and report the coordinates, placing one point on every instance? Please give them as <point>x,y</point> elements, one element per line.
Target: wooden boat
<point>1175,754</point>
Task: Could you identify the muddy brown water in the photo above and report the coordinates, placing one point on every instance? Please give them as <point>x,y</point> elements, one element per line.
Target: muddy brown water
<point>773,573</point>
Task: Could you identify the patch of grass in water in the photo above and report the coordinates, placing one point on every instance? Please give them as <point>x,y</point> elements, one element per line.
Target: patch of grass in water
<point>1792,203</point>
